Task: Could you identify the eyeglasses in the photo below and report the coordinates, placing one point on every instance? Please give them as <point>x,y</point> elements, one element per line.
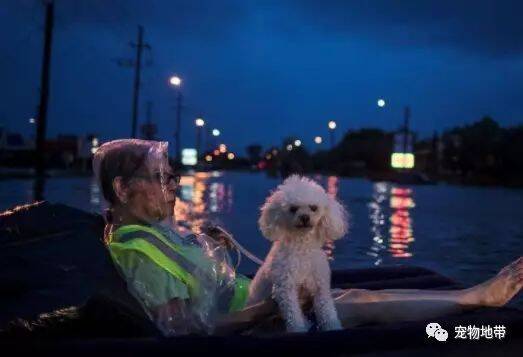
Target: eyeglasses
<point>166,178</point>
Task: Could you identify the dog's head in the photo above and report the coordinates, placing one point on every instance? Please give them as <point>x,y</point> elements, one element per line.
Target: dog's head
<point>299,206</point>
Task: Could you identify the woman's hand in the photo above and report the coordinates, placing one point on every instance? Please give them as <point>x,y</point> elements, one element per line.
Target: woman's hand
<point>219,236</point>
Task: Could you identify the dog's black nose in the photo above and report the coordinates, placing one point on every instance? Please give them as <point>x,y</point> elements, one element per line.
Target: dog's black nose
<point>305,219</point>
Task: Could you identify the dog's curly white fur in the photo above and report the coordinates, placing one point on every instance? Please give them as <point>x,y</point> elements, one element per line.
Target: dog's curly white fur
<point>299,217</point>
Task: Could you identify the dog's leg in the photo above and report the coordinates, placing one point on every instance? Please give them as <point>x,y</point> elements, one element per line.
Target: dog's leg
<point>260,287</point>
<point>325,311</point>
<point>287,299</point>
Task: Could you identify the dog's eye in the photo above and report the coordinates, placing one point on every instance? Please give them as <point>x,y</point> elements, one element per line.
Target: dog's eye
<point>293,209</point>
<point>313,208</point>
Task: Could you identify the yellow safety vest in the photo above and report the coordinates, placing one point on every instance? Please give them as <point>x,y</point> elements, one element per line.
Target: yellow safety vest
<point>176,259</point>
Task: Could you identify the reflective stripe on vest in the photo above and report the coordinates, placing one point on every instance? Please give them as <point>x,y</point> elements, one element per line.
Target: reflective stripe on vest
<point>156,247</point>
<point>167,249</point>
<point>176,260</point>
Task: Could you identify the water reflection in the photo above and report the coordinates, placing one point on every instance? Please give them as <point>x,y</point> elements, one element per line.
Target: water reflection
<point>377,218</point>
<point>401,234</point>
<point>390,208</point>
<point>201,195</point>
<point>94,193</point>
<point>332,185</point>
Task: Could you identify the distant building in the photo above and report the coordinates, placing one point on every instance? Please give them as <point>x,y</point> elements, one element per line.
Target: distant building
<point>62,151</point>
<point>13,141</point>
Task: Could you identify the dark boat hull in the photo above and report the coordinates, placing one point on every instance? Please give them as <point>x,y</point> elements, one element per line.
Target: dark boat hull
<point>38,273</point>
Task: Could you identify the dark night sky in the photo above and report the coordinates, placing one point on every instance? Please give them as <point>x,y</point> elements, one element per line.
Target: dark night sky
<point>263,70</point>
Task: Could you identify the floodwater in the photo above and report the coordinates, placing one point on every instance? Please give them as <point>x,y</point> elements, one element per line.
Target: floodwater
<point>466,233</point>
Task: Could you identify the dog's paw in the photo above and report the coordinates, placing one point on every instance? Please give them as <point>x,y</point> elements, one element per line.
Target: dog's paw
<point>297,328</point>
<point>301,326</point>
<point>331,325</point>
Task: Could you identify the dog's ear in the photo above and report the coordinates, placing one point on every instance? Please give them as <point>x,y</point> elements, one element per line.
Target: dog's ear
<point>269,221</point>
<point>335,223</point>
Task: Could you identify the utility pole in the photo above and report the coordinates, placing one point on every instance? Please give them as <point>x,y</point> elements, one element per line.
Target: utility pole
<point>149,112</point>
<point>198,143</point>
<point>406,129</point>
<point>140,45</point>
<point>149,128</point>
<point>41,121</point>
<point>178,125</point>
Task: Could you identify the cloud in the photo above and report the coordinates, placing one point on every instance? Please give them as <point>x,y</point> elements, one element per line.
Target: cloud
<point>484,27</point>
<point>193,19</point>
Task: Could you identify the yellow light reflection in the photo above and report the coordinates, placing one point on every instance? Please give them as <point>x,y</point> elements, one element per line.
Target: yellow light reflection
<point>332,185</point>
<point>401,234</point>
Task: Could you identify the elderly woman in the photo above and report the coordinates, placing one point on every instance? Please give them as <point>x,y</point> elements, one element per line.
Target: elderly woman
<point>185,284</point>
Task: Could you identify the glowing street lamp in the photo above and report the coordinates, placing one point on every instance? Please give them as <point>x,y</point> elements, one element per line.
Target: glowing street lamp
<point>215,132</point>
<point>32,120</point>
<point>318,140</point>
<point>176,82</point>
<point>199,124</point>
<point>289,147</point>
<point>222,148</point>
<point>332,126</point>
<point>297,143</point>
<point>230,156</point>
<point>208,158</point>
<point>381,103</point>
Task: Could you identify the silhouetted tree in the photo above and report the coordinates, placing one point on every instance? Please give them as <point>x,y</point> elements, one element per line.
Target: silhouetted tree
<point>254,153</point>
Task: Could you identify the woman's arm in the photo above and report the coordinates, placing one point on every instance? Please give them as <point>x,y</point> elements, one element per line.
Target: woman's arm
<point>175,318</point>
<point>240,320</point>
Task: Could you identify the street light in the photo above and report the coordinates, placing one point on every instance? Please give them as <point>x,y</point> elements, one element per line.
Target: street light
<point>318,140</point>
<point>176,82</point>
<point>332,126</point>
<point>230,156</point>
<point>297,142</point>
<point>381,103</point>
<point>32,120</point>
<point>289,147</point>
<point>223,148</point>
<point>199,124</point>
<point>215,134</point>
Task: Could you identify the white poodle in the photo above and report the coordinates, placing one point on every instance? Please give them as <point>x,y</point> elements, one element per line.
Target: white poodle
<point>299,217</point>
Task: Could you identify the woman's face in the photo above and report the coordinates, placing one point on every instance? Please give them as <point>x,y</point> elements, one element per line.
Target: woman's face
<point>152,192</point>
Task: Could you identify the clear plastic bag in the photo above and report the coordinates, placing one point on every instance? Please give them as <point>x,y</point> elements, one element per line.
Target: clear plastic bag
<point>182,283</point>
